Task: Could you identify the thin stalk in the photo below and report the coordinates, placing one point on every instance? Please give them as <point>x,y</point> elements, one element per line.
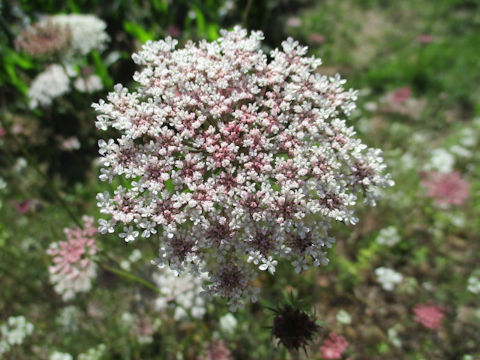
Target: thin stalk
<point>245,14</point>
<point>131,277</point>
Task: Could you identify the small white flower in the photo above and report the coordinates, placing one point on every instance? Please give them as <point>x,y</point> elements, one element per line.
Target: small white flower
<point>88,84</point>
<point>473,285</point>
<point>394,338</point>
<point>300,265</point>
<point>441,160</point>
<point>149,228</point>
<point>388,278</point>
<point>129,234</point>
<point>56,355</point>
<point>388,236</point>
<point>105,226</point>
<point>228,323</point>
<point>344,317</point>
<point>269,264</point>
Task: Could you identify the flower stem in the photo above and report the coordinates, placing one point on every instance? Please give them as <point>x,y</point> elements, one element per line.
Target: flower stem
<point>131,277</point>
<point>245,14</point>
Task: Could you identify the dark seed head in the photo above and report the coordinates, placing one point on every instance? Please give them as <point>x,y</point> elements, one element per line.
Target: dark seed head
<point>293,327</point>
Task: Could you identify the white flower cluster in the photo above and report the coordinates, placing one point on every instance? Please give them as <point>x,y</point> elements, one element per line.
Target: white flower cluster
<point>441,160</point>
<point>87,32</point>
<point>234,160</point>
<point>388,278</point>
<point>13,332</point>
<point>55,82</point>
<point>88,84</point>
<point>57,355</point>
<point>95,353</point>
<point>388,236</point>
<point>48,85</point>
<point>182,291</point>
<point>80,35</point>
<point>228,323</point>
<point>473,285</point>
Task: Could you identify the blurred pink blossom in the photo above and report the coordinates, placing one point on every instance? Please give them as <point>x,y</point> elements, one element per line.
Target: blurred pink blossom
<point>401,95</point>
<point>446,188</point>
<point>294,22</point>
<point>216,350</point>
<point>334,346</point>
<point>317,38</point>
<point>424,39</point>
<point>400,101</point>
<point>2,132</point>
<point>73,267</point>
<point>430,316</point>
<point>23,207</point>
<point>173,31</point>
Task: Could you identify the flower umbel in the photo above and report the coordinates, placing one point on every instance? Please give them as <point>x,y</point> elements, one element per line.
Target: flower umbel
<point>430,316</point>
<point>73,268</point>
<point>446,188</point>
<point>234,160</point>
<point>334,346</point>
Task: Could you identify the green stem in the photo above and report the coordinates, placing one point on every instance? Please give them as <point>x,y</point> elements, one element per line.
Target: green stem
<point>245,14</point>
<point>131,277</point>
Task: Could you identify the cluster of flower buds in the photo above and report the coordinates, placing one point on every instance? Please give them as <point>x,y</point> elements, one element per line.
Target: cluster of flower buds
<point>73,267</point>
<point>233,159</point>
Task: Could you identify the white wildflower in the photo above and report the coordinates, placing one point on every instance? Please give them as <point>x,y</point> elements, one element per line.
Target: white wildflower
<point>388,278</point>
<point>344,317</point>
<point>57,355</point>
<point>388,236</point>
<point>394,338</point>
<point>441,160</point>
<point>13,332</point>
<point>230,151</point>
<point>48,85</point>
<point>228,323</point>
<point>473,285</point>
<point>88,84</point>
<point>87,32</point>
<point>182,292</point>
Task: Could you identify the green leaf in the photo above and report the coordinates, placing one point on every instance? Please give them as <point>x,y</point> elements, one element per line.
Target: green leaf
<point>138,32</point>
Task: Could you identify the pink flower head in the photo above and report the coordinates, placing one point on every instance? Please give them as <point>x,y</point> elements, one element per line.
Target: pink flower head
<point>294,21</point>
<point>446,188</point>
<point>173,31</point>
<point>430,316</point>
<point>401,95</point>
<point>424,39</point>
<point>233,154</point>
<point>216,350</point>
<point>73,267</point>
<point>23,207</point>
<point>2,132</point>
<point>317,38</point>
<point>334,346</point>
